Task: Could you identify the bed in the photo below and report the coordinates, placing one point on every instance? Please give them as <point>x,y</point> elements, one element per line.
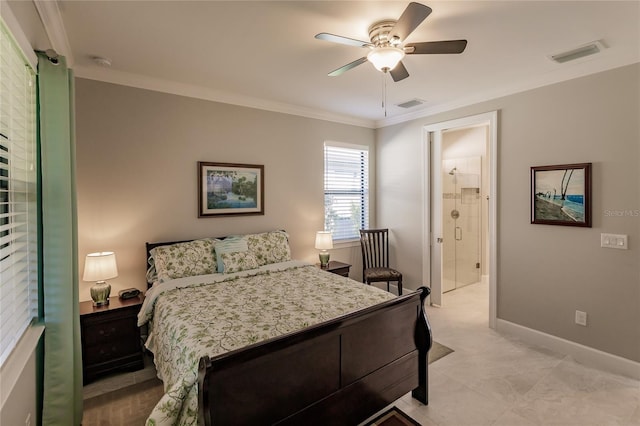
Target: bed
<point>243,335</point>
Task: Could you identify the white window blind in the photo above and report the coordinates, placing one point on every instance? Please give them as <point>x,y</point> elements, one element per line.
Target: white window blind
<point>18,203</point>
<point>346,190</point>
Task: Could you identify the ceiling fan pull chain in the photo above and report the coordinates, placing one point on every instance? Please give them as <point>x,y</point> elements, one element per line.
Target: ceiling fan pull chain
<point>382,100</point>
<point>384,93</point>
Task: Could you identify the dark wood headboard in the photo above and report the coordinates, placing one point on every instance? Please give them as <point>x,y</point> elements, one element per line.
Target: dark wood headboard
<point>151,246</point>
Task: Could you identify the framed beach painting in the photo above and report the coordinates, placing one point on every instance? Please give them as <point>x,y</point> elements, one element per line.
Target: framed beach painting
<point>227,189</point>
<point>561,195</point>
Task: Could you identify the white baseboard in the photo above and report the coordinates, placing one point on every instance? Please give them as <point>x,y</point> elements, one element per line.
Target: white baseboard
<point>581,353</point>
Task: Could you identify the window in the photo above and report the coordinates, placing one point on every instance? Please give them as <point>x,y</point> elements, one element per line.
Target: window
<point>18,193</point>
<point>346,190</point>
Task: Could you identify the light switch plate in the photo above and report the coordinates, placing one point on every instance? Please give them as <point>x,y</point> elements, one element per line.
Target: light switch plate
<point>616,241</point>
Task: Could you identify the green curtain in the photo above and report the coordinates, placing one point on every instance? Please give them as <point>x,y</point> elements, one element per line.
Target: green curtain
<point>62,387</point>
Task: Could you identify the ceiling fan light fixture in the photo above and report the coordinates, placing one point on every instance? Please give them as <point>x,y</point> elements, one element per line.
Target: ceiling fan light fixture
<point>385,58</point>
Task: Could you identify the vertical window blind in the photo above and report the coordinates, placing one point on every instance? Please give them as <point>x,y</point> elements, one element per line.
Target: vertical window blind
<point>346,190</point>
<point>18,195</point>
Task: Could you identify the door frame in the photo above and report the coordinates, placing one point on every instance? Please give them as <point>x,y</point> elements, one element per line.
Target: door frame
<point>431,134</point>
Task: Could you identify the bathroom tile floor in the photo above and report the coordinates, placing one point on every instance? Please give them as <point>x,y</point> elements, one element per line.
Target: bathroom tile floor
<point>495,380</point>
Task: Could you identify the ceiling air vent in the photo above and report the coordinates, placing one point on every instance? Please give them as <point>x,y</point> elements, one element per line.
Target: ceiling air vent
<point>410,104</point>
<point>579,52</point>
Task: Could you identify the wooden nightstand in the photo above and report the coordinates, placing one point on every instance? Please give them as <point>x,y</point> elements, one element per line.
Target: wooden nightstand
<point>337,268</point>
<point>110,337</point>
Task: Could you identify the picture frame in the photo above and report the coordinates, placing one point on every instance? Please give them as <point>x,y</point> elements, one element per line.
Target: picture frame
<point>561,195</point>
<point>228,189</point>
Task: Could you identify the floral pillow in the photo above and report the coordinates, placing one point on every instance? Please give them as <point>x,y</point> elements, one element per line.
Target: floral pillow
<point>152,274</point>
<point>188,259</point>
<point>238,261</point>
<point>233,255</point>
<point>269,247</point>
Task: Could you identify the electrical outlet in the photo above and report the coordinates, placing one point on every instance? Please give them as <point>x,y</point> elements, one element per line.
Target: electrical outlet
<point>581,318</point>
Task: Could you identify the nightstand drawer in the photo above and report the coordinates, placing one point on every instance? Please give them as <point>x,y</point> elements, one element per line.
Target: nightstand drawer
<point>335,267</point>
<point>341,271</point>
<point>103,332</point>
<point>110,351</point>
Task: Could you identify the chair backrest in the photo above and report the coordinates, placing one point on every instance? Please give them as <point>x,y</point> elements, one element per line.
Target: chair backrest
<point>375,248</point>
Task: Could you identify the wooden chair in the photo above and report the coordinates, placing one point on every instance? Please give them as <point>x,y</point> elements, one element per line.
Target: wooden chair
<point>375,258</point>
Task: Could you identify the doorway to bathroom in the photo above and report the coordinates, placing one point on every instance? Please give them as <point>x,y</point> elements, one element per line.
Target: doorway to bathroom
<point>460,166</point>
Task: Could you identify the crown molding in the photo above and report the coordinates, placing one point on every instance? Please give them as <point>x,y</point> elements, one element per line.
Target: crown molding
<point>54,26</point>
<point>199,92</point>
<point>488,95</point>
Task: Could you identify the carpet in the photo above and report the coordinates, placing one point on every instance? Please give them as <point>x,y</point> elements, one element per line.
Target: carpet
<point>129,406</point>
<point>393,417</point>
<point>438,351</point>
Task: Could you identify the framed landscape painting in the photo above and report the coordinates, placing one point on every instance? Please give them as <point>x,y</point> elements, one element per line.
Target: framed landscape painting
<point>230,189</point>
<point>561,195</point>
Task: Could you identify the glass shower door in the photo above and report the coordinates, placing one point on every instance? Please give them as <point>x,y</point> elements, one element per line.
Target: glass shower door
<point>461,222</point>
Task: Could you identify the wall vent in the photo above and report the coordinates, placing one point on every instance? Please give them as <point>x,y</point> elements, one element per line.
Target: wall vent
<point>579,52</point>
<point>412,103</point>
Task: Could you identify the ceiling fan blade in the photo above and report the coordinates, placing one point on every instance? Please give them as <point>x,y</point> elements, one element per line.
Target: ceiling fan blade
<point>399,72</point>
<point>347,67</point>
<point>342,40</point>
<point>435,47</point>
<point>412,16</point>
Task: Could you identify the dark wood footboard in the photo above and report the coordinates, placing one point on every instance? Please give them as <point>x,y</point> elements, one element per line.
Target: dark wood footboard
<point>338,372</point>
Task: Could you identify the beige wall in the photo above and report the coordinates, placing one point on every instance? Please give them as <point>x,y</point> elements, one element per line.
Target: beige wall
<point>545,273</point>
<point>137,154</point>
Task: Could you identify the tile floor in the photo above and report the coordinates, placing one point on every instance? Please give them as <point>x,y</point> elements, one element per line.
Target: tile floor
<point>489,380</point>
<point>494,380</point>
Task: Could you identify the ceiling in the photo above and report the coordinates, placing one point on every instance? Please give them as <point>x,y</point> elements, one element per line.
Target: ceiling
<point>263,53</point>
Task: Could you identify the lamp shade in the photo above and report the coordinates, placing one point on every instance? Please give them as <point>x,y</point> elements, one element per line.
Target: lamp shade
<point>100,266</point>
<point>324,240</point>
<point>385,58</point>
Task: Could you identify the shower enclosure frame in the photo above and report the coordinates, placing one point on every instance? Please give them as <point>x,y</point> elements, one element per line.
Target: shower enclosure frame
<point>462,222</point>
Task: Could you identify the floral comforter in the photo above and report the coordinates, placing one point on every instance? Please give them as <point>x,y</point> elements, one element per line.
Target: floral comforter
<point>213,314</point>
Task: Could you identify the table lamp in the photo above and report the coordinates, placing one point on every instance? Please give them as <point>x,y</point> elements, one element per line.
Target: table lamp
<point>324,242</point>
<point>99,267</point>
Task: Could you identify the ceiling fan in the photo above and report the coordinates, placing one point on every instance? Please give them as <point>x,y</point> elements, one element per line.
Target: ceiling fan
<point>386,49</point>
